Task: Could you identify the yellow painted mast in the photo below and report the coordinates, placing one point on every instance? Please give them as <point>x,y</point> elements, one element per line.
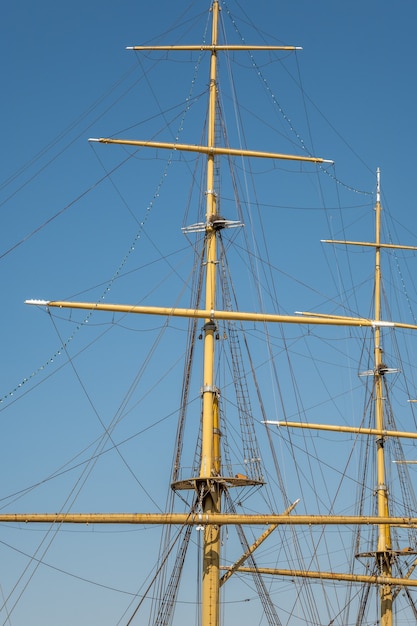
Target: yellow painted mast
<point>383,553</point>
<point>211,491</point>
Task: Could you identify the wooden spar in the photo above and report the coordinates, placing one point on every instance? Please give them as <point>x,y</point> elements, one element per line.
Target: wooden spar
<point>312,318</point>
<point>353,578</point>
<point>251,549</point>
<point>214,48</point>
<point>370,244</point>
<point>210,149</point>
<point>345,429</point>
<point>195,519</point>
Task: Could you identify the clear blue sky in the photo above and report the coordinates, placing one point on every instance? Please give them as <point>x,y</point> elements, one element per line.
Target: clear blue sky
<point>62,66</point>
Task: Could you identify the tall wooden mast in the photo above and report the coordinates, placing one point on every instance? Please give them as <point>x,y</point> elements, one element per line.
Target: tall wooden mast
<point>384,548</point>
<point>210,465</point>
